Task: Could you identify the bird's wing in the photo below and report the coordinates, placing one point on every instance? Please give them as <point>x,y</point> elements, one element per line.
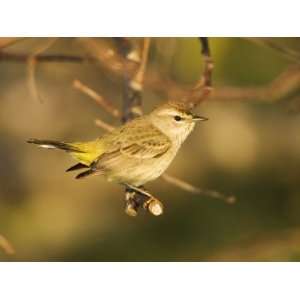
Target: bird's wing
<point>134,141</point>
<point>138,142</point>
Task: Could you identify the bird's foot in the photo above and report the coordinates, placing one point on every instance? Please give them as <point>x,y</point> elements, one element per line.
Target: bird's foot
<point>137,197</point>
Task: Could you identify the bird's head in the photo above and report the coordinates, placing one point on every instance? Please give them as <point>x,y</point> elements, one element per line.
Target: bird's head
<point>175,120</point>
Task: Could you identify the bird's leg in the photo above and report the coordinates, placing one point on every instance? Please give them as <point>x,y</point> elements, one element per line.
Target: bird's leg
<point>138,197</point>
<point>131,204</point>
<point>135,197</point>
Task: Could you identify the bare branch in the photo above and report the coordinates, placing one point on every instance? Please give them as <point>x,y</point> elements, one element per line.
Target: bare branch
<point>107,57</point>
<point>137,81</point>
<point>104,103</point>
<point>32,85</point>
<point>132,96</point>
<point>44,58</point>
<point>285,51</point>
<point>31,68</point>
<point>203,87</point>
<point>196,190</point>
<point>6,42</point>
<point>104,125</point>
<point>128,48</point>
<point>284,85</point>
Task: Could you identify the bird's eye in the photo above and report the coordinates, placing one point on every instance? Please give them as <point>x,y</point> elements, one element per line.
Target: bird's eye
<point>177,118</point>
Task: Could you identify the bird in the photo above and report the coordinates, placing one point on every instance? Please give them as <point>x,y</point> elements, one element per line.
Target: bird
<point>135,153</point>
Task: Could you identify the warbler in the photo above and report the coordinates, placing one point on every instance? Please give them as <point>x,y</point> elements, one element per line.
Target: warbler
<point>135,153</point>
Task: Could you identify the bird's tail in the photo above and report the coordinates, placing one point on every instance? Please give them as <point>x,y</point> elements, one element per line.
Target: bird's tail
<point>48,144</point>
<point>85,153</point>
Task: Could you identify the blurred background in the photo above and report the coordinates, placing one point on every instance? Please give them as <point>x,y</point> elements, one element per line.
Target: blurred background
<point>249,148</point>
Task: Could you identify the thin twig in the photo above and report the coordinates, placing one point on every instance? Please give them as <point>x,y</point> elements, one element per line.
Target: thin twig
<point>31,68</point>
<point>31,79</point>
<point>132,96</point>
<point>196,190</point>
<point>6,42</point>
<point>283,85</point>
<point>127,47</point>
<point>287,83</point>
<point>103,102</point>
<point>109,59</point>
<point>137,81</point>
<point>45,58</point>
<point>104,125</point>
<point>203,87</point>
<point>289,53</point>
<point>6,245</point>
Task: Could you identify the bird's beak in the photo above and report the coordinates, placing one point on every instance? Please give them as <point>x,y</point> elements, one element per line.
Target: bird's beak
<point>198,118</point>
